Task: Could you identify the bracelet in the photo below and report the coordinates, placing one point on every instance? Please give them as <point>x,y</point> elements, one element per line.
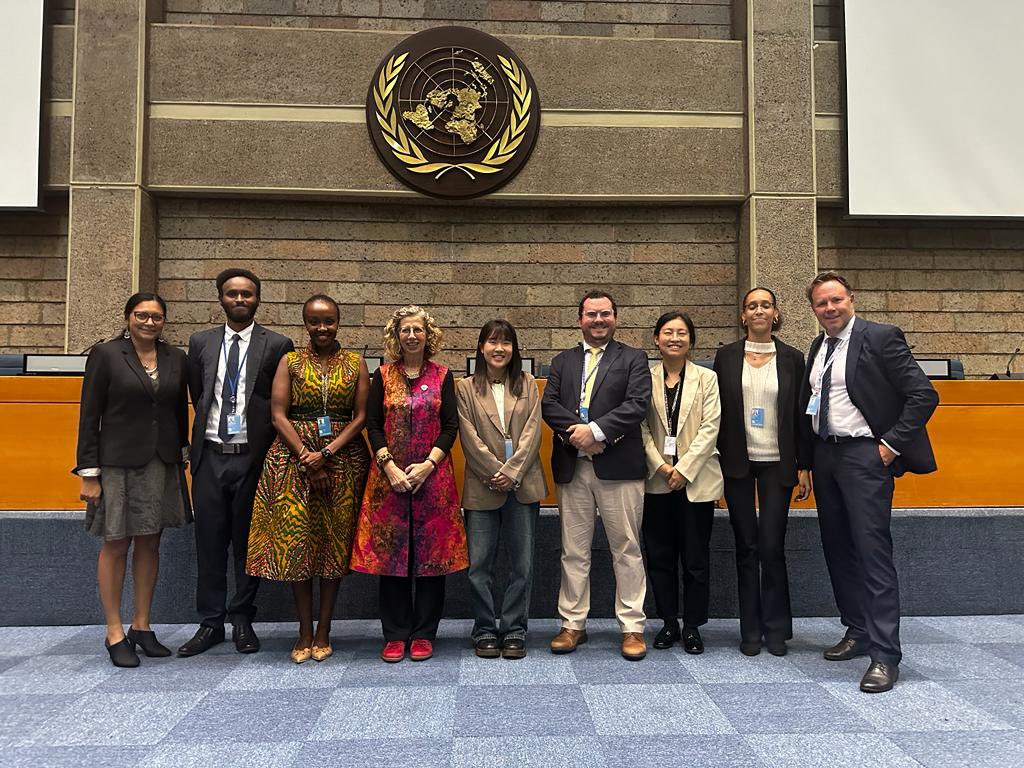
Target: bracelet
<point>383,459</point>
<point>432,462</point>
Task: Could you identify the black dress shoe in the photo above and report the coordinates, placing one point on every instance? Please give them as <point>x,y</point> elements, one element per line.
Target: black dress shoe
<point>146,640</point>
<point>750,649</point>
<point>667,637</point>
<point>244,636</point>
<point>880,677</point>
<point>122,653</point>
<point>487,648</point>
<point>777,648</point>
<point>847,649</point>
<point>203,640</point>
<point>513,648</point>
<point>692,642</point>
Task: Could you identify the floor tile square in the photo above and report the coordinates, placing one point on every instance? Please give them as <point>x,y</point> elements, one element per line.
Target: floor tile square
<point>728,665</point>
<point>274,671</point>
<point>538,668</point>
<point>58,674</point>
<point>251,716</point>
<point>32,641</point>
<point>387,712</point>
<point>829,751</point>
<point>115,719</point>
<point>536,710</point>
<point>172,674</point>
<point>696,751</point>
<point>784,708</point>
<point>954,662</point>
<point>22,714</point>
<point>376,753</point>
<point>528,752</point>
<point>977,750</point>
<point>977,629</point>
<point>631,710</point>
<point>920,706</point>
<point>372,672</point>
<point>1003,699</point>
<point>1011,652</point>
<point>658,667</point>
<point>281,754</point>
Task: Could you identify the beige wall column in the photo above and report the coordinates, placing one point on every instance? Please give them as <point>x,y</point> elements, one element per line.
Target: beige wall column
<point>777,229</point>
<point>111,219</point>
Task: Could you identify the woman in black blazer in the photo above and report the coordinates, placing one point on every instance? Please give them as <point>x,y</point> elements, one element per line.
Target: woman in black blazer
<point>132,444</point>
<point>761,444</point>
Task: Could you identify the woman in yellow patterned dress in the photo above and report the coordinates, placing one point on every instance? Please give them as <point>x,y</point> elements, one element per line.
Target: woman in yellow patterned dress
<point>308,497</point>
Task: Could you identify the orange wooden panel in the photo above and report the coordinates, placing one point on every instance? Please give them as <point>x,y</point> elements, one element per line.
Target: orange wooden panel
<point>975,433</point>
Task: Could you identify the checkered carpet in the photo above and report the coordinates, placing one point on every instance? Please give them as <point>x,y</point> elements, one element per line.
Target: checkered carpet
<point>960,701</point>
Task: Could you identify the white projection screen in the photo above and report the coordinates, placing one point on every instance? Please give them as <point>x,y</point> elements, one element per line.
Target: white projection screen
<point>934,108</point>
<point>21,57</point>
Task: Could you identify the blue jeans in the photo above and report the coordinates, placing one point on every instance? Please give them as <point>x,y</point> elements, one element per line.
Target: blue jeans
<point>516,523</point>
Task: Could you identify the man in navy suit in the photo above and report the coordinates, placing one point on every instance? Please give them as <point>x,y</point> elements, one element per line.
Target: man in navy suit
<point>867,402</point>
<point>595,399</point>
<point>231,369</point>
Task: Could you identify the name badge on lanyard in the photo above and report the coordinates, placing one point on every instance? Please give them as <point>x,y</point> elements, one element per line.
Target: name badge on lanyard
<point>584,413</point>
<point>670,446</point>
<point>323,425</point>
<point>757,417</point>
<point>812,405</point>
<point>234,423</point>
<point>508,448</point>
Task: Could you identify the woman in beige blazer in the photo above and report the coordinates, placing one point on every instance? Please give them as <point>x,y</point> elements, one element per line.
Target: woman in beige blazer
<point>684,481</point>
<point>499,420</point>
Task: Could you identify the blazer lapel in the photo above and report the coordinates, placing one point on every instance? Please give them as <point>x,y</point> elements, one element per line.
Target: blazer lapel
<point>510,406</point>
<point>853,353</point>
<point>168,366</point>
<point>610,353</point>
<point>486,401</point>
<point>785,375</point>
<point>254,358</point>
<point>658,390</point>
<point>132,359</point>
<point>691,383</point>
<point>575,374</point>
<point>211,359</point>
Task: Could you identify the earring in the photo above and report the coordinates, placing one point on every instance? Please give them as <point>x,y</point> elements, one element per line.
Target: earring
<point>126,335</point>
<point>775,321</point>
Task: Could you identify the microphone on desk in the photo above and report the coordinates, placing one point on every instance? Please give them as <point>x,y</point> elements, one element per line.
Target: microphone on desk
<point>1010,361</point>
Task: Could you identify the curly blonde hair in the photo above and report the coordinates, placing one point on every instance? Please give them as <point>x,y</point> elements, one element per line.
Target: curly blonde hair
<point>392,346</point>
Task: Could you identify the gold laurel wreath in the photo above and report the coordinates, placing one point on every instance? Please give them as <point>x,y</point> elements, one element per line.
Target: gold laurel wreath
<point>410,155</point>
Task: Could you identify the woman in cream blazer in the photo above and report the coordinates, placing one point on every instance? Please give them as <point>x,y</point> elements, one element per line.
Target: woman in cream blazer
<point>500,424</point>
<point>684,481</point>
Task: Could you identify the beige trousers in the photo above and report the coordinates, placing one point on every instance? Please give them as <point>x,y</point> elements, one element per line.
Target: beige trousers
<point>621,503</point>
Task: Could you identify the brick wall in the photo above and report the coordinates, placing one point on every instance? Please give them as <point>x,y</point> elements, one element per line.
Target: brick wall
<point>33,275</point>
<point>954,288</point>
<point>709,19</point>
<point>468,264</point>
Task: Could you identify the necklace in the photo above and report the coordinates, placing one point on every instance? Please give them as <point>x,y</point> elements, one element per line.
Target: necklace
<point>759,347</point>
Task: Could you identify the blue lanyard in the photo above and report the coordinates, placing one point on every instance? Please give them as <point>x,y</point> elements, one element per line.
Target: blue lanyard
<point>232,383</point>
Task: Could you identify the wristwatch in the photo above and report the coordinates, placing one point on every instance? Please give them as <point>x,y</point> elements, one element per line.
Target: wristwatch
<point>326,453</point>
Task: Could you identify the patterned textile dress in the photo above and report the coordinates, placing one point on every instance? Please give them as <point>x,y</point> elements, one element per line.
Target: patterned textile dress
<point>297,533</point>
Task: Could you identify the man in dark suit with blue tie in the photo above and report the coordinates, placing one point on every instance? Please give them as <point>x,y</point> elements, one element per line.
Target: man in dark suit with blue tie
<point>231,369</point>
<point>867,402</point>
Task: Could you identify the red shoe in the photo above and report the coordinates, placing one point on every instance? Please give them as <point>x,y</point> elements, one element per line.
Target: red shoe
<point>420,649</point>
<point>394,651</point>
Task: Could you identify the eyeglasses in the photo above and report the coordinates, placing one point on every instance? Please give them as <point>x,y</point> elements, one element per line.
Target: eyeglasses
<point>145,317</point>
<point>606,314</point>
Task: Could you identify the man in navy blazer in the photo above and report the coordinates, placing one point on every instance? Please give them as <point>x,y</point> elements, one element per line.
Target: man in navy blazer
<point>231,370</point>
<point>867,402</point>
<point>595,400</point>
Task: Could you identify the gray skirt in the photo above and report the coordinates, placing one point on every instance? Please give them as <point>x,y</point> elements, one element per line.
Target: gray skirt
<point>139,501</point>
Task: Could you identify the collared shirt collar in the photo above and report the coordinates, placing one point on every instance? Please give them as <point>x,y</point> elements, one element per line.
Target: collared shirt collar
<point>602,347</point>
<point>245,333</point>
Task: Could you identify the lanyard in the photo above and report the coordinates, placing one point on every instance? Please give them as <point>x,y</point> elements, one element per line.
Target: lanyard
<point>587,376</point>
<point>233,383</point>
<point>325,375</point>
<point>671,408</point>
<point>835,353</point>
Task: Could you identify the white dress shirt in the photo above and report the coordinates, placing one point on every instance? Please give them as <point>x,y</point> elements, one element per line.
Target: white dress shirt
<point>844,418</point>
<point>498,393</point>
<point>213,420</point>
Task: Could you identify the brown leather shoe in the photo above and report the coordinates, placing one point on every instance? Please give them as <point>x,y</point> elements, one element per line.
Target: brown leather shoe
<point>567,640</point>
<point>633,646</point>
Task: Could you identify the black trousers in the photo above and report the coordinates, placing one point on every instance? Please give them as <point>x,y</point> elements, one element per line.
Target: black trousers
<point>761,551</point>
<point>223,489</point>
<point>677,530</point>
<point>408,616</point>
<point>854,490</point>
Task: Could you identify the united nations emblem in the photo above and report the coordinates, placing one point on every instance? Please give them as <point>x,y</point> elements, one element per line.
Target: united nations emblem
<point>453,113</point>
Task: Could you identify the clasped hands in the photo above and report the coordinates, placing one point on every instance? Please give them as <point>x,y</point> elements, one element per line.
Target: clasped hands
<point>673,478</point>
<point>312,463</point>
<point>410,479</point>
<point>582,439</point>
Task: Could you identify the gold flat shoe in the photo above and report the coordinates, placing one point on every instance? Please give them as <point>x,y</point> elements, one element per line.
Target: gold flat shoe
<point>300,655</point>
<point>321,652</point>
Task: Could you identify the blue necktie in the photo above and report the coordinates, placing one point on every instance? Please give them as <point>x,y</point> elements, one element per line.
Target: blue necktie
<point>826,385</point>
<point>227,405</point>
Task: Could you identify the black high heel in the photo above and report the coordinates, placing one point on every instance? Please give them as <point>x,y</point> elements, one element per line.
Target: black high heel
<point>122,653</point>
<point>146,640</point>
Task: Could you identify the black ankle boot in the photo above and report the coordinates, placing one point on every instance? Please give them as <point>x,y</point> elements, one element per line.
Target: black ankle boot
<point>146,640</point>
<point>122,653</point>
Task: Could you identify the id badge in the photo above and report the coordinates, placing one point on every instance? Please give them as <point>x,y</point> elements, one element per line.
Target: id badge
<point>323,425</point>
<point>812,405</point>
<point>757,417</point>
<point>585,413</point>
<point>508,448</point>
<point>234,423</point>
<point>670,446</point>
